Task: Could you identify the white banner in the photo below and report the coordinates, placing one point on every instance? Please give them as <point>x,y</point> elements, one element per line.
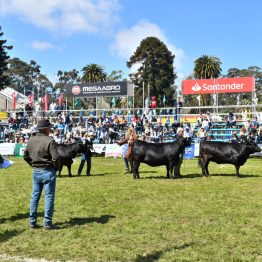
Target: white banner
<point>99,148</point>
<point>196,150</point>
<point>7,149</point>
<point>113,150</point>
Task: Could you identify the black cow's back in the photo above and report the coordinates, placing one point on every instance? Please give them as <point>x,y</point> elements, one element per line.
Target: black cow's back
<point>156,154</point>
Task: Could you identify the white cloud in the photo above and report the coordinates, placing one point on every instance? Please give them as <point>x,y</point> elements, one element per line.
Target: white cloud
<point>42,45</point>
<point>128,40</point>
<point>64,16</point>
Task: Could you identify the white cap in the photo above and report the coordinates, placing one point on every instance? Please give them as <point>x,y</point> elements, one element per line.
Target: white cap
<point>91,134</point>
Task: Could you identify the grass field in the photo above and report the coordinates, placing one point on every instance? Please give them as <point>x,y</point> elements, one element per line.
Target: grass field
<point>111,217</point>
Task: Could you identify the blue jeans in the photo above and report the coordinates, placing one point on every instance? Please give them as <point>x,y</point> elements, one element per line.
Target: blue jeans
<point>82,163</point>
<point>43,179</point>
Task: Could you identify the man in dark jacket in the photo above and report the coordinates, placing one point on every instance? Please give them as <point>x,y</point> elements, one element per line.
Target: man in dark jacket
<point>86,156</point>
<point>42,156</point>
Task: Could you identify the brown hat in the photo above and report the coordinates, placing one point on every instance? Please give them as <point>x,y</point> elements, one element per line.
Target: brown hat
<point>43,124</point>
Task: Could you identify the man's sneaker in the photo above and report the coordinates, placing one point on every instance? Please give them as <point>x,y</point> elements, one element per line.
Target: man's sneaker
<point>51,227</point>
<point>34,226</point>
<point>127,172</point>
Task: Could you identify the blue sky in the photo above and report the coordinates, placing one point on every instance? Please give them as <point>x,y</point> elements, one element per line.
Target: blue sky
<point>68,34</point>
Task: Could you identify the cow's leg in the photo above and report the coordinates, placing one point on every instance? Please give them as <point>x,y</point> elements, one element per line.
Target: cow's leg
<point>69,170</point>
<point>206,168</point>
<point>168,171</point>
<point>204,165</point>
<point>237,171</point>
<point>136,165</point>
<point>60,170</point>
<point>177,173</point>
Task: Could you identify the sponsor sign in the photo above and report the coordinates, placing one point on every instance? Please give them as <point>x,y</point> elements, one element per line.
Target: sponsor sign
<point>113,150</point>
<point>3,115</point>
<point>189,152</point>
<point>7,149</point>
<point>218,86</point>
<point>19,150</point>
<point>97,89</point>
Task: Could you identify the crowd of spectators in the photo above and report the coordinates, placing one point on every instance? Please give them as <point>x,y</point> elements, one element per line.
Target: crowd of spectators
<point>109,129</point>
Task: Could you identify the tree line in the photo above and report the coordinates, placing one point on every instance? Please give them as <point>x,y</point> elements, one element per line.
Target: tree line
<point>155,75</point>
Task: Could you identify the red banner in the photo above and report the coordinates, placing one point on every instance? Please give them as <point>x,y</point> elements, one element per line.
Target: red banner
<point>31,100</point>
<point>218,86</point>
<point>60,99</point>
<point>45,103</point>
<point>14,100</point>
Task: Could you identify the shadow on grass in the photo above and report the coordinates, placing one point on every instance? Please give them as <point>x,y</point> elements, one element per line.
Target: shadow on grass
<point>8,234</point>
<point>234,175</point>
<point>152,177</point>
<point>191,176</point>
<point>79,221</point>
<point>16,217</point>
<point>158,254</point>
<point>164,177</point>
<point>76,176</point>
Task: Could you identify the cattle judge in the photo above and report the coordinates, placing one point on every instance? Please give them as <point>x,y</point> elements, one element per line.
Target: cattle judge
<point>41,154</point>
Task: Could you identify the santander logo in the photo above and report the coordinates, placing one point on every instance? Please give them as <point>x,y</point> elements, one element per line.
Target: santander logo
<point>76,90</point>
<point>196,87</point>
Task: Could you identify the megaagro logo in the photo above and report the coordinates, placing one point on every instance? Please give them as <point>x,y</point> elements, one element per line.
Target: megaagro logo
<point>76,90</point>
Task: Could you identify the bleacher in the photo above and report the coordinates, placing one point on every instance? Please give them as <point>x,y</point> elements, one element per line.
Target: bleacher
<point>220,132</point>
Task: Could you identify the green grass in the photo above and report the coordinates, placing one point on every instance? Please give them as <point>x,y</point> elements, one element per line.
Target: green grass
<point>111,217</point>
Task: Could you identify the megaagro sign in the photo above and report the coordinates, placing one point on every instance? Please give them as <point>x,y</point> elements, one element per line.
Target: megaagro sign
<point>97,89</point>
<point>220,85</point>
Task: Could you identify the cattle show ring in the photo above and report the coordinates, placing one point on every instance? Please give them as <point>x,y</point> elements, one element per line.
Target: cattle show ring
<point>179,194</point>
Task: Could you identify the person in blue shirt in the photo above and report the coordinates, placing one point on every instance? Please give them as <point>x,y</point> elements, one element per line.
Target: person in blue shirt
<point>86,156</point>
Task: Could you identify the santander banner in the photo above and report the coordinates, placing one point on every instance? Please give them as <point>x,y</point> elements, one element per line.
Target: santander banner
<point>219,85</point>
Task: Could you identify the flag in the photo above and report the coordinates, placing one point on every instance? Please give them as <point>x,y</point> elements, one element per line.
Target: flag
<point>14,100</point>
<point>164,99</point>
<point>77,102</point>
<point>31,100</point>
<point>199,100</point>
<point>45,103</point>
<point>113,101</point>
<point>60,99</point>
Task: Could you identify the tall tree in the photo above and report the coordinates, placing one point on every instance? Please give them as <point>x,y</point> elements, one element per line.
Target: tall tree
<point>27,78</point>
<point>93,73</point>
<point>64,78</point>
<point>4,79</point>
<point>115,75</point>
<point>155,72</point>
<point>207,67</point>
<point>245,98</point>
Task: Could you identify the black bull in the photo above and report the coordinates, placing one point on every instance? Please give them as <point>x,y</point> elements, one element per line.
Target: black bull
<point>168,154</point>
<point>66,154</point>
<point>225,153</point>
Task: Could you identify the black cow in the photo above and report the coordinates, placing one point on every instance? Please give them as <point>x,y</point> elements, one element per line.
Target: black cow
<point>225,153</point>
<point>1,159</point>
<point>168,154</point>
<point>66,155</point>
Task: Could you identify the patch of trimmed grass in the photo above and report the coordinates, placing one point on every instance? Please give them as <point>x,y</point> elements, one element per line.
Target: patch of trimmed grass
<point>112,217</point>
